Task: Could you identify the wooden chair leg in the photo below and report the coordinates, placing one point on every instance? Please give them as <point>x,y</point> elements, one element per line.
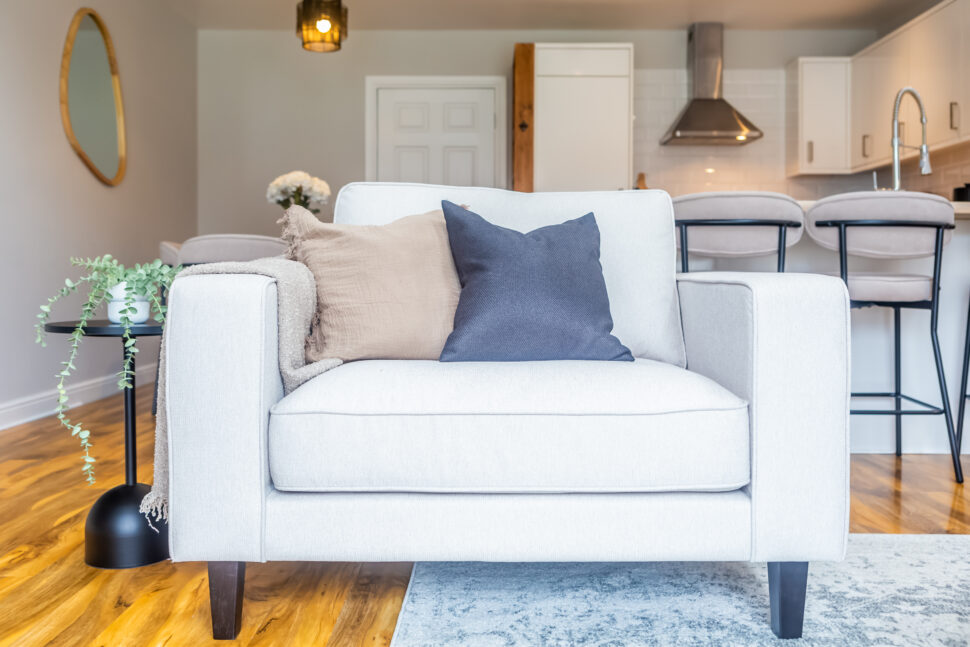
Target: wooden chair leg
<point>226,580</point>
<point>787,582</point>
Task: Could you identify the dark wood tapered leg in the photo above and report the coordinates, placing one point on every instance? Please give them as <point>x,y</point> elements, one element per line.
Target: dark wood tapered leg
<point>226,581</point>
<point>786,588</point>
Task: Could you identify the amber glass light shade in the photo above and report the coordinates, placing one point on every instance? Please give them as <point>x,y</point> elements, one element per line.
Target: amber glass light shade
<point>321,24</point>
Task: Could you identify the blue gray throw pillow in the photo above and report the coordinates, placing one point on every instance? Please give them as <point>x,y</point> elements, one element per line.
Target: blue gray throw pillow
<point>534,296</point>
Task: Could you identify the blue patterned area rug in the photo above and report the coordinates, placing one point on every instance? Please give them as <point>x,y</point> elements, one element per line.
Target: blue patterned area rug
<point>902,590</point>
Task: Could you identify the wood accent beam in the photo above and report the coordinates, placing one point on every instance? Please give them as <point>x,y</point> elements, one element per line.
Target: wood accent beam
<point>523,130</point>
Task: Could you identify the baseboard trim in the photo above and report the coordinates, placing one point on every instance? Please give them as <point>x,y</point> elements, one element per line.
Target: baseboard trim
<point>31,407</point>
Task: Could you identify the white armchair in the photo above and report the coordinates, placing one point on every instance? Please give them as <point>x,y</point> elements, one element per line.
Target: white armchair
<point>741,455</point>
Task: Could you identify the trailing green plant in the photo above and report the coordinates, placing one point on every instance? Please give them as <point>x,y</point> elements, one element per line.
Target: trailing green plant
<point>99,276</point>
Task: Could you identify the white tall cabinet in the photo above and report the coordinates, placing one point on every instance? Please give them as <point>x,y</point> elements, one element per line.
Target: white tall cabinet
<point>573,117</point>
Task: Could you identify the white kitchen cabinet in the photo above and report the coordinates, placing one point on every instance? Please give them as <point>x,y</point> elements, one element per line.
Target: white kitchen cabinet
<point>937,70</point>
<point>877,74</point>
<point>963,109</point>
<point>817,98</point>
<point>931,53</point>
<point>573,117</point>
<point>860,113</point>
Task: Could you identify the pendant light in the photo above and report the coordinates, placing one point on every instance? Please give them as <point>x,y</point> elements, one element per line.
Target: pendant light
<point>321,24</point>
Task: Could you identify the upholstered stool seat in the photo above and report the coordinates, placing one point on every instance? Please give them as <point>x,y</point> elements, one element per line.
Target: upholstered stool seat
<point>887,286</point>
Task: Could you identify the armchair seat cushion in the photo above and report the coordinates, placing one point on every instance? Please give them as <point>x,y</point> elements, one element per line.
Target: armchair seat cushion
<point>511,427</point>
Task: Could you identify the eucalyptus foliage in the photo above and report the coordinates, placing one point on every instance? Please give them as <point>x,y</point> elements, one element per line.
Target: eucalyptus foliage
<point>99,275</point>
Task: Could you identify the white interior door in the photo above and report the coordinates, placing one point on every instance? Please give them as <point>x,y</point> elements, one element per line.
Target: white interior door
<point>436,135</point>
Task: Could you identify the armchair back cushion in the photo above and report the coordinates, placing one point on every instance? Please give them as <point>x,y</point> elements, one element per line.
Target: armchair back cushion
<point>636,244</point>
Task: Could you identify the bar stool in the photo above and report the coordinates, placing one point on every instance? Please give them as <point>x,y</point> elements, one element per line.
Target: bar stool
<point>735,224</point>
<point>892,225</point>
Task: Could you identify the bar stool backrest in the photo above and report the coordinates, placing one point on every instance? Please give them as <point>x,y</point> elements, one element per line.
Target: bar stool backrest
<point>741,240</point>
<point>881,242</point>
<point>214,248</point>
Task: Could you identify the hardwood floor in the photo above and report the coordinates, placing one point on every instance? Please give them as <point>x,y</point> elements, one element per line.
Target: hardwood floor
<point>49,597</point>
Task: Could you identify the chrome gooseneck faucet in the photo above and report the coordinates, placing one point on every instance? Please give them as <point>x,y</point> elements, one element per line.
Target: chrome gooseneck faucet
<point>924,152</point>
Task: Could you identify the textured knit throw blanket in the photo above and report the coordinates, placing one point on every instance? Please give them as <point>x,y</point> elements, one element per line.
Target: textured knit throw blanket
<point>297,306</point>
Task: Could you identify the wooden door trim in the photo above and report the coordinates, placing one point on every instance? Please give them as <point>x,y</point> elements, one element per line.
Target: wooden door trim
<point>523,125</point>
<point>373,84</point>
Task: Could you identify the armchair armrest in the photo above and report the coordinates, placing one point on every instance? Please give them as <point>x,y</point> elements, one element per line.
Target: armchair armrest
<point>781,341</point>
<point>222,377</point>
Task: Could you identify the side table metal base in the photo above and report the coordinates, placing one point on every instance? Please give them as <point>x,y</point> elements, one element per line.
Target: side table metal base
<point>117,535</point>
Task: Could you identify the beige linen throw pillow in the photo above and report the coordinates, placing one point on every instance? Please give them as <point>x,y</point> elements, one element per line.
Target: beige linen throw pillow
<point>383,292</point>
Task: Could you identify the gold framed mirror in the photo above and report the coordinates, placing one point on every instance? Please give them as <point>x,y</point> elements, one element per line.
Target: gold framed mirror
<point>91,108</point>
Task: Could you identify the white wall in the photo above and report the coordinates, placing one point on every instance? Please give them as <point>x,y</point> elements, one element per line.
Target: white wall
<point>53,207</point>
<point>267,107</point>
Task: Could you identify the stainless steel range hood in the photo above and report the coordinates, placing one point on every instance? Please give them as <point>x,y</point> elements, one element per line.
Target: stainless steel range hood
<point>707,118</point>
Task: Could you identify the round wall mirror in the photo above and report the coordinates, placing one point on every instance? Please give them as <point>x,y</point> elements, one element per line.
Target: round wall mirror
<point>91,107</point>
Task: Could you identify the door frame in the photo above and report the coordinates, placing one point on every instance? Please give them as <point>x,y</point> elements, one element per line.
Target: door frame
<point>372,84</point>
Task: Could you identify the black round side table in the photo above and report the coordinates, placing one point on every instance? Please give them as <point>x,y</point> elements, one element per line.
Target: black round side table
<point>116,534</point>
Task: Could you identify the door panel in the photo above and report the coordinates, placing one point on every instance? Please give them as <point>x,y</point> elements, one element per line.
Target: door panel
<point>411,164</point>
<point>436,136</point>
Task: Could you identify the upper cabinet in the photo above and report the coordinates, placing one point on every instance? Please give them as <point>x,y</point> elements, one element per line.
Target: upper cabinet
<point>930,53</point>
<point>878,72</point>
<point>937,70</point>
<point>963,109</point>
<point>817,97</point>
<point>573,116</point>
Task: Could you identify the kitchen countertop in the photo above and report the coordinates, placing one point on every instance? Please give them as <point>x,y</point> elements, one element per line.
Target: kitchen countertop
<point>960,209</point>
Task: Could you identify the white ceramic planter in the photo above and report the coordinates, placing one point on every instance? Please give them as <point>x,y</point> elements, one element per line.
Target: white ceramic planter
<point>117,303</point>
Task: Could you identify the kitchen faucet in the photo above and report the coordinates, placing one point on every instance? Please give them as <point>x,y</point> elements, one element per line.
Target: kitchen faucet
<point>924,152</point>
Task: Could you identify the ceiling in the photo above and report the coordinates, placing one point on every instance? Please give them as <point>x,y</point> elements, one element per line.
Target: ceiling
<point>881,15</point>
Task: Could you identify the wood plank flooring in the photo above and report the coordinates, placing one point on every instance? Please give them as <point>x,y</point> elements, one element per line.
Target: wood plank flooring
<point>49,597</point>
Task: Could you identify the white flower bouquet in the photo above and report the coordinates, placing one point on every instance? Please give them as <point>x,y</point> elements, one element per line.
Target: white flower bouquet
<point>298,187</point>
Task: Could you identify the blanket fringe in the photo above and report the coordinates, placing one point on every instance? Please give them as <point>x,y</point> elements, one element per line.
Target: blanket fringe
<point>154,506</point>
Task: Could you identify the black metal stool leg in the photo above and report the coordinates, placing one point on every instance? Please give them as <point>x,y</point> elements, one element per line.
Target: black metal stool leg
<point>947,413</point>
<point>898,376</point>
<point>963,384</point>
